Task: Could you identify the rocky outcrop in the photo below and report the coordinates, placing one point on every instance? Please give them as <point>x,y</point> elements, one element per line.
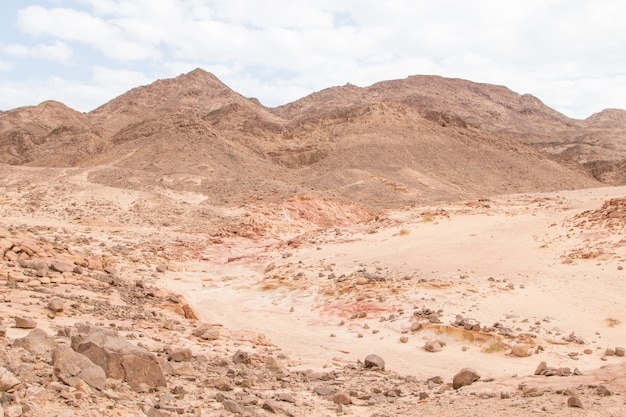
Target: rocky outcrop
<point>119,358</point>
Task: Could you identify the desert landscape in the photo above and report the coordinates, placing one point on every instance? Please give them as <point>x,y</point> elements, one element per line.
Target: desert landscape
<point>425,246</point>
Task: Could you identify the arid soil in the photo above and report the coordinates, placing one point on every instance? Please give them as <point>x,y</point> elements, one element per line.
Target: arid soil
<point>498,285</point>
<point>419,247</point>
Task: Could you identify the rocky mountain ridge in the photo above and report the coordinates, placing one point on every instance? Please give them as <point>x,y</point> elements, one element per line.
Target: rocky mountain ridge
<point>418,140</point>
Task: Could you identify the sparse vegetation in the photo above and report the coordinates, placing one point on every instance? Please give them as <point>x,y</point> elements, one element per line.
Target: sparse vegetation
<point>404,232</point>
<point>613,322</point>
<point>494,346</point>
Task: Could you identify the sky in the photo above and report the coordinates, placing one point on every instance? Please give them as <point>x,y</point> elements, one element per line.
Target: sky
<point>571,54</point>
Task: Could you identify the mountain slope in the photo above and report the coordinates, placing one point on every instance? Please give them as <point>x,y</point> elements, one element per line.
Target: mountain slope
<point>413,141</point>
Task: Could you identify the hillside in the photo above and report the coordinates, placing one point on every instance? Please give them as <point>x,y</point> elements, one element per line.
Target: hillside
<point>414,141</point>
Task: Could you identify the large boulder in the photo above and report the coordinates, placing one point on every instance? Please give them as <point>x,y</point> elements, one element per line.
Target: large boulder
<point>72,367</point>
<point>120,359</point>
<point>465,376</point>
<point>39,343</point>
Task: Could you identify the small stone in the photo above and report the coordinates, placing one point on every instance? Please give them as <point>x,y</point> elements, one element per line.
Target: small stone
<point>404,339</point>
<point>233,407</point>
<point>541,368</point>
<point>603,391</point>
<point>433,346</point>
<point>56,305</point>
<point>241,357</point>
<point>25,323</point>
<point>465,376</point>
<point>423,396</point>
<point>271,406</point>
<point>181,355</point>
<point>609,352</point>
<point>161,268</point>
<point>342,398</point>
<point>575,402</point>
<point>374,361</point>
<point>223,383</point>
<point>620,351</point>
<point>520,350</point>
<point>415,326</point>
<point>7,379</point>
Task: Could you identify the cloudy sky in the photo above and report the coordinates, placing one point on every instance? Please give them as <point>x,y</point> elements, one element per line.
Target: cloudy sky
<point>569,53</point>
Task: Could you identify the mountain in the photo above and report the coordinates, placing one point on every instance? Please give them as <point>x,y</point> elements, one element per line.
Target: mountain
<point>419,140</point>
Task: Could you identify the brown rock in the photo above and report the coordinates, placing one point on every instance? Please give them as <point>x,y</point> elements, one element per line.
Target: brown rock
<point>119,358</point>
<point>541,368</point>
<point>7,379</point>
<point>233,407</point>
<point>433,346</point>
<point>25,323</point>
<point>62,266</point>
<point>223,383</point>
<point>241,357</point>
<point>39,343</point>
<point>603,391</point>
<point>374,361</point>
<point>181,355</point>
<point>465,376</point>
<point>620,351</point>
<point>271,406</point>
<point>575,402</point>
<point>342,398</point>
<point>520,350</point>
<point>56,305</point>
<point>72,367</point>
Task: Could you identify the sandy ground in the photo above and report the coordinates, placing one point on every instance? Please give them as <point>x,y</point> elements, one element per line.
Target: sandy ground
<point>504,260</point>
<point>544,267</point>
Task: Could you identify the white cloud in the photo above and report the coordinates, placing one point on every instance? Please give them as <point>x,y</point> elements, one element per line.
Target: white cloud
<point>111,38</point>
<point>58,51</point>
<point>569,54</point>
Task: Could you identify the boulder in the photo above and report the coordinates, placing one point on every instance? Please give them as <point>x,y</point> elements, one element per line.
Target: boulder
<point>465,376</point>
<point>120,359</point>
<point>374,361</point>
<point>7,379</point>
<point>72,367</point>
<point>181,355</point>
<point>56,305</point>
<point>433,346</point>
<point>575,402</point>
<point>25,323</point>
<point>39,343</point>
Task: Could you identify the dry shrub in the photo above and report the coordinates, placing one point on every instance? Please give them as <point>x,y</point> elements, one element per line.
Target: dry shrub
<point>494,345</point>
<point>404,232</point>
<point>612,322</point>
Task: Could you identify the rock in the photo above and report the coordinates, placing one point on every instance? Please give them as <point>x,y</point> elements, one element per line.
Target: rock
<point>223,383</point>
<point>275,365</point>
<point>241,357</point>
<point>433,346</point>
<point>325,391</point>
<point>72,367</point>
<point>541,368</point>
<point>271,406</point>
<point>56,305</point>
<point>374,361</point>
<point>603,391</point>
<point>532,392</point>
<point>342,398</point>
<point>404,339</point>
<point>119,358</point>
<point>181,355</point>
<point>520,350</point>
<point>7,379</point>
<point>157,412</point>
<point>415,326</point>
<point>38,343</point>
<point>62,266</point>
<point>465,376</point>
<point>161,268</point>
<point>233,407</point>
<point>575,402</point>
<point>25,323</point>
<point>609,352</point>
<point>620,351</point>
